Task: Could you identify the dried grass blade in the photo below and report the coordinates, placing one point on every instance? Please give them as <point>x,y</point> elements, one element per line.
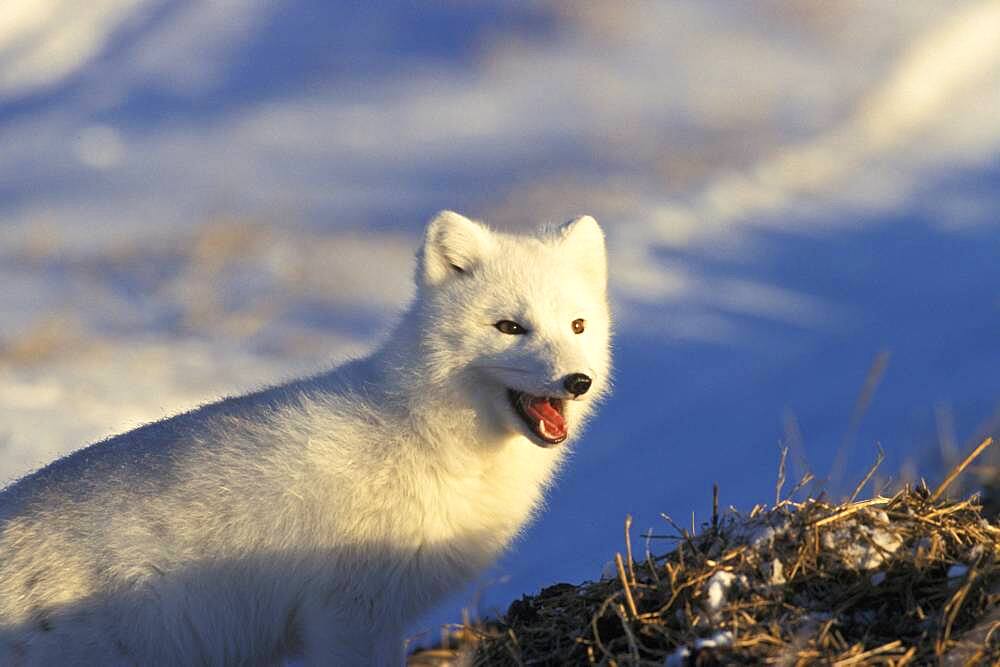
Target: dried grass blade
<point>957,470</point>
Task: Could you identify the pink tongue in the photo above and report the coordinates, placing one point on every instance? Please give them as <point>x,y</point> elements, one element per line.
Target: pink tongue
<point>552,418</point>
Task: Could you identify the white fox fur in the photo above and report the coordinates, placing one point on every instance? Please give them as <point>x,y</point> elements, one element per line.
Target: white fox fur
<point>317,518</point>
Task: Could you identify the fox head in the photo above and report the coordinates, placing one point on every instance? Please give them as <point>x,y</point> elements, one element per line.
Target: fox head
<point>519,326</point>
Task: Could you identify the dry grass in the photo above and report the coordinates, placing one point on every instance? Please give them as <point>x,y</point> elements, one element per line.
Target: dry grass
<point>909,579</point>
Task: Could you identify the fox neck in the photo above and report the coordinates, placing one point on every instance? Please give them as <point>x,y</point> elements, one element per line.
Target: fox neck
<point>442,405</point>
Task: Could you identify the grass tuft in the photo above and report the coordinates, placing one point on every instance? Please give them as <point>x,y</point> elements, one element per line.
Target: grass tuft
<point>913,578</point>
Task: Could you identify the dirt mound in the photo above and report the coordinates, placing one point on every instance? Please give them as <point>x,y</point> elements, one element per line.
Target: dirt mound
<point>907,579</point>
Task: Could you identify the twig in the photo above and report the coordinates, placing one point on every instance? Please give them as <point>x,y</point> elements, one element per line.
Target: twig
<point>633,647</point>
<point>650,561</point>
<point>806,478</point>
<point>515,648</point>
<point>860,657</point>
<point>781,476</point>
<point>715,509</point>
<point>628,547</point>
<point>957,470</point>
<point>871,471</point>
<point>593,625</point>
<point>954,605</point>
<point>625,586</point>
<point>849,510</point>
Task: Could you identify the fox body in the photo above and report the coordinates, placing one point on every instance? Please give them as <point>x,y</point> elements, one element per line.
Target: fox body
<point>319,518</point>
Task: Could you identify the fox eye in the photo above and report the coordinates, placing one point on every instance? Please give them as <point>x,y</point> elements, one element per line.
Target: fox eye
<point>579,325</point>
<point>510,328</point>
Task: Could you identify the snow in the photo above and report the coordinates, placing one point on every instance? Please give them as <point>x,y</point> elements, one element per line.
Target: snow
<point>861,547</point>
<point>774,572</point>
<point>678,658</point>
<point>178,224</point>
<point>761,532</point>
<point>717,588</point>
<point>718,640</point>
<point>681,654</point>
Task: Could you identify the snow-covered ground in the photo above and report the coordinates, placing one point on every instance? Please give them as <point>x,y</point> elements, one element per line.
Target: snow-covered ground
<point>198,198</point>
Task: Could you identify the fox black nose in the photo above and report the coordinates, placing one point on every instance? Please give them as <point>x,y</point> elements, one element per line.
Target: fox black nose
<point>577,383</point>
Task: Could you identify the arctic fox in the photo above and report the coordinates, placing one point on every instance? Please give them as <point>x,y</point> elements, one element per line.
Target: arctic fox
<point>320,517</point>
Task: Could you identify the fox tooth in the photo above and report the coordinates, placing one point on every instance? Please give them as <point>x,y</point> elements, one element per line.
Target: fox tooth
<point>546,431</point>
<point>541,427</point>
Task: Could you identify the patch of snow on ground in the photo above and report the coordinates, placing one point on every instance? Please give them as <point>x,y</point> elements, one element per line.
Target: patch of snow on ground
<point>680,656</point>
<point>774,572</point>
<point>717,588</point>
<point>861,547</point>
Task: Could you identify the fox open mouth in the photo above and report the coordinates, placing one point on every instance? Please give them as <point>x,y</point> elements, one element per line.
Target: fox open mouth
<point>542,414</point>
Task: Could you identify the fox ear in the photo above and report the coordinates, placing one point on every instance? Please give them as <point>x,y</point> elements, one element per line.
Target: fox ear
<point>583,237</point>
<point>453,245</point>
